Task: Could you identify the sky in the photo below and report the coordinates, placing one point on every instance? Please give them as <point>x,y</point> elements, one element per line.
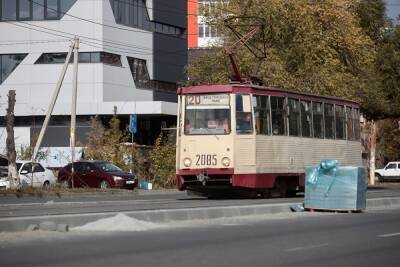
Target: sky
<point>393,8</point>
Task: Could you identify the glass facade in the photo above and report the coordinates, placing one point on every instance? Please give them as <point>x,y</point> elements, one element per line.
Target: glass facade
<point>139,71</point>
<point>141,77</point>
<point>134,13</point>
<point>34,9</point>
<point>8,63</point>
<point>8,9</point>
<point>84,57</point>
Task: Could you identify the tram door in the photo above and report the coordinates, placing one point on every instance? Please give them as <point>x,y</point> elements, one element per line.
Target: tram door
<point>245,150</point>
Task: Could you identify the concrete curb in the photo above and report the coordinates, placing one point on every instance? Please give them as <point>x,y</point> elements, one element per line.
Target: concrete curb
<point>168,215</point>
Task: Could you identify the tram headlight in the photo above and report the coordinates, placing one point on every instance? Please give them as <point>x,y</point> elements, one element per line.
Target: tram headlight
<point>187,162</point>
<point>226,161</point>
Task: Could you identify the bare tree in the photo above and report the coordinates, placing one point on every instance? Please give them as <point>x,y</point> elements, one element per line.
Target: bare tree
<point>11,153</point>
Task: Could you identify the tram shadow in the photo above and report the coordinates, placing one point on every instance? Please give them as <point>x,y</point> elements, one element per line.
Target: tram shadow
<point>218,194</point>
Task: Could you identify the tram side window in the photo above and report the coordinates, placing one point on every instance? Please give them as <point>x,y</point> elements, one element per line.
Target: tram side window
<point>318,120</point>
<point>278,115</point>
<point>329,116</point>
<point>340,122</point>
<point>350,124</point>
<point>306,116</point>
<point>294,117</point>
<point>244,123</point>
<point>356,123</point>
<point>262,114</point>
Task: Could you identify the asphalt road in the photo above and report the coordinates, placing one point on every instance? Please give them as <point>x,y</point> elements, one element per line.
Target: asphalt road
<point>11,206</point>
<point>303,239</point>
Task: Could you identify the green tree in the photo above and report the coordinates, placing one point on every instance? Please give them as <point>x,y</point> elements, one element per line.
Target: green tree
<point>25,151</point>
<point>389,139</point>
<point>312,46</point>
<point>108,143</point>
<point>388,69</point>
<point>162,158</point>
<point>373,20</point>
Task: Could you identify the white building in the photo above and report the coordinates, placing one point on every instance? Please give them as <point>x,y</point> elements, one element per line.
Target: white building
<point>132,53</point>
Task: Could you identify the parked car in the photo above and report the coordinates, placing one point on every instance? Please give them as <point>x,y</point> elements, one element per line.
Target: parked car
<point>41,176</point>
<point>390,172</point>
<point>4,183</point>
<point>100,174</point>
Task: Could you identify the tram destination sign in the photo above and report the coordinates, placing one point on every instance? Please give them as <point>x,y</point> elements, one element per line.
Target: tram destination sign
<point>212,99</point>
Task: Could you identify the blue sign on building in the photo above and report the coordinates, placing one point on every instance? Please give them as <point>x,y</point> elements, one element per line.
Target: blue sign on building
<point>133,123</point>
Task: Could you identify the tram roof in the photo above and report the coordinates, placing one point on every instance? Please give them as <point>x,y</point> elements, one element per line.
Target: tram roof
<point>268,90</point>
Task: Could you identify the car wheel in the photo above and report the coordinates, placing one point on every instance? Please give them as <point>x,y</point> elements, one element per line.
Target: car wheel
<point>379,177</point>
<point>46,185</point>
<point>65,183</point>
<point>104,184</point>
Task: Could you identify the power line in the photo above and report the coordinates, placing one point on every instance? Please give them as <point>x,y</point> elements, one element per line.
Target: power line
<point>32,42</point>
<point>91,43</point>
<point>120,28</point>
<point>102,24</point>
<point>71,35</point>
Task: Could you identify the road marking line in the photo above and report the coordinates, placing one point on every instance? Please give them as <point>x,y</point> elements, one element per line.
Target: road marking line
<point>389,235</point>
<point>307,247</point>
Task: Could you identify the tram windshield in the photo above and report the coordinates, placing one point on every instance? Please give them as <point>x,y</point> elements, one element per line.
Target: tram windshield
<point>207,114</point>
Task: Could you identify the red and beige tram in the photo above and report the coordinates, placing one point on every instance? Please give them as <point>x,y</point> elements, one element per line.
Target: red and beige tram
<point>258,140</point>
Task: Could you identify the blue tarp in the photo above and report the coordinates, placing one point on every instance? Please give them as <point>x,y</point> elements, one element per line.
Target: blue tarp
<point>330,186</point>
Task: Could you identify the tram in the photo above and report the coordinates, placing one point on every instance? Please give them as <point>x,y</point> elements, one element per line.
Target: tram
<point>258,140</point>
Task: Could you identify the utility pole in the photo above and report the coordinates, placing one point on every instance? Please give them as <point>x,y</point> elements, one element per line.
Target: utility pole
<point>52,103</point>
<point>73,109</point>
<point>11,153</point>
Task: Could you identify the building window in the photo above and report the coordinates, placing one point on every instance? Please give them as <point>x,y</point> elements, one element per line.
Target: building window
<point>207,7</point>
<point>139,71</point>
<point>38,10</point>
<point>65,5</point>
<point>84,57</point>
<point>34,9</point>
<point>8,63</point>
<point>52,9</point>
<point>8,10</point>
<point>134,13</point>
<point>24,10</point>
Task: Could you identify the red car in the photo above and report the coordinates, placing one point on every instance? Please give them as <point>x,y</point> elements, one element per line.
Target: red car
<point>100,174</point>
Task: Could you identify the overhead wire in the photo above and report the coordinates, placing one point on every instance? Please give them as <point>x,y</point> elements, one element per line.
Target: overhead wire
<point>101,41</point>
<point>113,44</point>
<point>106,25</point>
<point>90,43</point>
<point>121,28</point>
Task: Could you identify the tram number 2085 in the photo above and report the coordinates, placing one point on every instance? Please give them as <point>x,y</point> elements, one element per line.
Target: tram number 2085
<point>206,159</point>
